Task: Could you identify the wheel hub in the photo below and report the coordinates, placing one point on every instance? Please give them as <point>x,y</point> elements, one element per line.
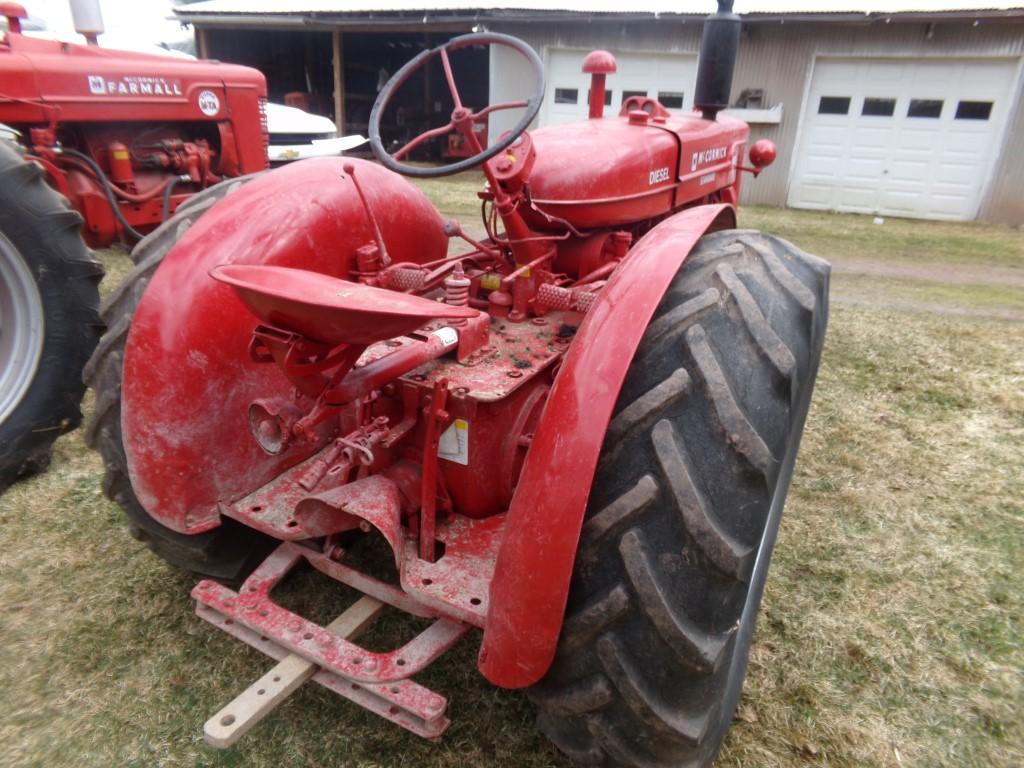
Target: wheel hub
<point>22,328</point>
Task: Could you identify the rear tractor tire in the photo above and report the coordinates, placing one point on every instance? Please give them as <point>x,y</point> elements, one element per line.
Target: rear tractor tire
<point>685,508</point>
<point>227,553</point>
<point>49,297</point>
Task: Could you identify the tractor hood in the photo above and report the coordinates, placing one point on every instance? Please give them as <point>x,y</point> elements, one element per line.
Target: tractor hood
<point>617,170</point>
<point>90,83</point>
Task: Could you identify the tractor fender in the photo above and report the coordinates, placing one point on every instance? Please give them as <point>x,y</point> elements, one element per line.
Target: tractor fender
<point>188,378</point>
<point>534,566</point>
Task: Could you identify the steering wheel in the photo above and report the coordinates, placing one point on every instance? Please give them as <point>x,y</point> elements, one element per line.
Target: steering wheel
<point>462,118</point>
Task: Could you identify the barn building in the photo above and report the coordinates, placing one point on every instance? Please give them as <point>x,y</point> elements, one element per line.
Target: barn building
<point>915,110</point>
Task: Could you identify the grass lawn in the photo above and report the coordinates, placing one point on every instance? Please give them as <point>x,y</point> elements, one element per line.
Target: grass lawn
<point>845,237</point>
<point>891,627</point>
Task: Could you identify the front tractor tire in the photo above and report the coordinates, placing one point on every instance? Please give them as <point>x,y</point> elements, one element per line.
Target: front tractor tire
<point>227,553</point>
<point>49,297</point>
<point>685,508</point>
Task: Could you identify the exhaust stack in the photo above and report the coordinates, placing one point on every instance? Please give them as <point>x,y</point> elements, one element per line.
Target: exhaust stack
<point>719,45</point>
<point>88,19</point>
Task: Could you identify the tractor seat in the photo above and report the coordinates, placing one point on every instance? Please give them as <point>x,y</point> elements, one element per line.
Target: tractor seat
<point>329,310</point>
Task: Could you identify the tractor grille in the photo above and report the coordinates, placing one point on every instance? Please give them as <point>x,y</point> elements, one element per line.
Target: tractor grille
<point>263,124</point>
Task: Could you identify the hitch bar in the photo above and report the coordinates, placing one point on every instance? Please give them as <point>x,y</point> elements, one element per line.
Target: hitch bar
<point>377,681</point>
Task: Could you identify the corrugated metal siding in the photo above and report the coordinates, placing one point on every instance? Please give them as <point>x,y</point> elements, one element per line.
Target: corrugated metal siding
<point>1004,203</point>
<point>662,36</point>
<point>768,7</point>
<point>778,58</point>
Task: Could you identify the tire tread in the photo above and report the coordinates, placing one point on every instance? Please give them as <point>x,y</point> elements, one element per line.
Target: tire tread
<point>46,231</point>
<point>689,489</point>
<point>228,552</point>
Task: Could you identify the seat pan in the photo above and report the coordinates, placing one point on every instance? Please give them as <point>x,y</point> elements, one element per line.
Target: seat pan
<point>327,309</point>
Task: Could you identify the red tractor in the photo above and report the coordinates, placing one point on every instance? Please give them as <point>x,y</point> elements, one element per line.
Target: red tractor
<point>102,145</point>
<point>575,438</point>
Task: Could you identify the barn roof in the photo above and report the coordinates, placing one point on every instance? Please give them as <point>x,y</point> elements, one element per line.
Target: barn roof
<point>753,10</point>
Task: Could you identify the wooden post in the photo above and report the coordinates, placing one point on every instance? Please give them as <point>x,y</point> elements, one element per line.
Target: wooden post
<point>259,699</point>
<point>428,98</point>
<point>202,42</point>
<point>339,81</point>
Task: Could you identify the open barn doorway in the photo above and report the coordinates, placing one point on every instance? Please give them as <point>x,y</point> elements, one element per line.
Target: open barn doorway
<point>300,71</point>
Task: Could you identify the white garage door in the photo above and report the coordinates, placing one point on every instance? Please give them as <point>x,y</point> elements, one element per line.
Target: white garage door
<point>666,77</point>
<point>901,137</point>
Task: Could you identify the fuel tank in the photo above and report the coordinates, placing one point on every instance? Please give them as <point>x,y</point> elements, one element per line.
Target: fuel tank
<point>621,170</point>
<point>188,378</point>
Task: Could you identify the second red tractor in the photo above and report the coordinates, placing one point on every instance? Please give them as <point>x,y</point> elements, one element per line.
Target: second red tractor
<point>575,434</point>
<point>96,146</point>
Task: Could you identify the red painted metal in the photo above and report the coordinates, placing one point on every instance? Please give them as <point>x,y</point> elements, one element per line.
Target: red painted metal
<point>354,375</point>
<point>458,147</point>
<point>513,355</point>
<point>290,512</point>
<point>458,584</point>
<point>254,617</point>
<point>405,703</point>
<point>463,119</point>
<point>326,309</point>
<point>633,172</point>
<point>598,64</point>
<point>531,576</point>
<point>176,361</point>
<point>190,121</point>
<point>368,585</point>
<point>403,359</point>
<point>253,607</point>
<point>763,153</point>
<point>14,13</point>
<point>436,416</point>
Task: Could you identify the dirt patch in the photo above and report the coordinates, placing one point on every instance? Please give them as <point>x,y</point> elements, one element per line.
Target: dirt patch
<point>948,310</point>
<point>955,274</point>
